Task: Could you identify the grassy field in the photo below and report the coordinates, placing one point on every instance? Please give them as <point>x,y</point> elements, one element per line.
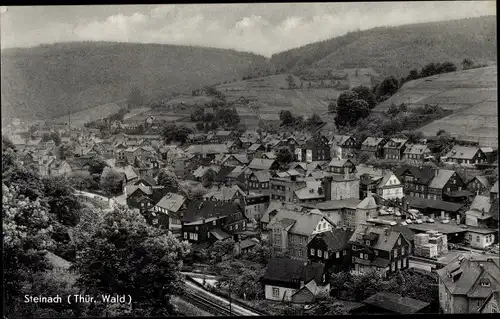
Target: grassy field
<point>470,94</point>
<point>91,114</point>
<point>271,96</point>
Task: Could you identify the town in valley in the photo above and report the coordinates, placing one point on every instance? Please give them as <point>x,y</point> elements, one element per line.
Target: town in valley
<point>329,178</point>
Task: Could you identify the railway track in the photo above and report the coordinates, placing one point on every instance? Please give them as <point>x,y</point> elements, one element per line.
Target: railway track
<point>207,305</point>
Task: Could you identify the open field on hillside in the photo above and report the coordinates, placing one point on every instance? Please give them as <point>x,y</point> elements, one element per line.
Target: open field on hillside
<point>271,99</point>
<point>470,94</point>
<point>91,114</point>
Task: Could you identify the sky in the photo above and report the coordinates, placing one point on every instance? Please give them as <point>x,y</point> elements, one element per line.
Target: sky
<point>258,27</point>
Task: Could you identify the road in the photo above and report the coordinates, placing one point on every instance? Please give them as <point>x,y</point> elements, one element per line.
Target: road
<point>97,197</point>
<point>236,310</point>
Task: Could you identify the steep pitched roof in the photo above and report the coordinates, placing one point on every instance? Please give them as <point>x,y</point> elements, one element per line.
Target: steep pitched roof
<point>340,139</point>
<point>262,176</point>
<point>171,202</point>
<point>207,149</point>
<point>224,193</point>
<point>338,162</point>
<point>442,177</point>
<point>305,224</point>
<point>289,270</point>
<point>423,174</point>
<point>481,202</point>
<point>372,141</point>
<point>198,210</point>
<point>261,164</point>
<point>416,149</point>
<point>387,236</point>
<point>368,203</point>
<point>469,270</point>
<point>337,239</point>
<point>254,147</point>
<point>494,189</point>
<point>398,142</point>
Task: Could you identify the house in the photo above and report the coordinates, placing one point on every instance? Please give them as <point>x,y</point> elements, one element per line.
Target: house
<point>373,146</point>
<point>342,146</point>
<point>128,172</point>
<point>290,230</point>
<point>478,214</point>
<point>225,194</point>
<point>246,246</point>
<point>260,164</point>
<point>315,149</point>
<point>256,150</point>
<point>491,304</point>
<point>294,281</point>
<point>379,249</point>
<point>465,155</point>
<point>171,207</point>
<point>416,152</point>
<point>445,185</point>
<point>338,187</point>
<point>415,180</point>
<point>234,160</point>
<point>224,136</point>
<point>341,166</point>
<point>255,206</point>
<point>388,303</point>
<point>331,248</point>
<point>312,192</point>
<point>494,191</point>
<point>207,150</point>
<point>466,283</point>
<point>269,155</point>
<point>283,188</point>
<point>207,221</point>
<point>238,176</point>
<point>135,195</point>
<point>341,212</point>
<point>258,181</point>
<point>490,153</point>
<point>59,168</point>
<point>206,174</point>
<point>480,237</point>
<point>394,148</point>
<point>383,183</point>
<point>478,185</point>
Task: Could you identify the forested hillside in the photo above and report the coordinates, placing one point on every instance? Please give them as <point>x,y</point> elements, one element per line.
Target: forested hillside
<point>396,50</point>
<point>48,80</point>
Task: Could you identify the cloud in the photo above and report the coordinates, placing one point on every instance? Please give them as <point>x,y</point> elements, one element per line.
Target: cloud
<point>260,28</point>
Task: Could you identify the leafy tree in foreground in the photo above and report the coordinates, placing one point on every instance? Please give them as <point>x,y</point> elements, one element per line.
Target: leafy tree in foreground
<point>26,238</point>
<point>364,93</point>
<point>284,157</point>
<point>126,256</point>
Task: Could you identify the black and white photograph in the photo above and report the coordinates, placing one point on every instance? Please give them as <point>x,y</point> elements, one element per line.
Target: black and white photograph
<point>249,159</point>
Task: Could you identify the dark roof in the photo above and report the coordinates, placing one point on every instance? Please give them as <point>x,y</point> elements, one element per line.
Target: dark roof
<point>224,171</point>
<point>395,303</point>
<point>219,234</point>
<point>336,240</point>
<point>380,262</point>
<point>423,203</point>
<point>290,270</point>
<point>423,174</point>
<point>197,210</point>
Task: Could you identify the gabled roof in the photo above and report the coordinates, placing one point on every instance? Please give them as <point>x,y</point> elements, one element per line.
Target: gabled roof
<point>423,174</point>
<point>395,303</point>
<point>255,147</point>
<point>242,158</point>
<point>423,203</point>
<point>368,203</point>
<point>494,295</point>
<point>483,180</point>
<point>387,237</point>
<point>442,177</point>
<point>223,173</point>
<point>399,142</point>
<point>416,149</point>
<point>219,234</point>
<point>481,202</point>
<point>270,155</point>
<point>224,193</point>
<point>223,133</point>
<point>337,239</point>
<point>262,176</point>
<point>261,164</point>
<point>237,171</point>
<point>338,162</point>
<point>293,271</point>
<point>462,152</point>
<point>470,269</point>
<point>171,201</point>
<point>207,149</point>
<point>131,189</point>
<point>372,141</point>
<point>494,189</point>
<point>385,178</point>
<point>197,210</point>
<point>305,224</point>
<point>340,139</point>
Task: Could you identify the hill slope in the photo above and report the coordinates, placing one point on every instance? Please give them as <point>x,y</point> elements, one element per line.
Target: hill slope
<point>269,95</point>
<point>470,94</point>
<point>46,81</point>
<point>396,50</point>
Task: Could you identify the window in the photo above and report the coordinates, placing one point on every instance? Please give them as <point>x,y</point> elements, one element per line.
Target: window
<point>320,253</point>
<point>376,252</point>
<point>399,241</point>
<point>395,253</point>
<point>276,292</point>
<point>470,237</point>
<point>214,223</point>
<point>337,254</point>
<point>185,235</point>
<point>361,255</point>
<point>236,227</point>
<point>312,251</point>
<point>326,255</point>
<point>399,264</point>
<point>477,239</point>
<point>393,266</point>
<point>300,252</point>
<point>195,237</point>
<point>366,256</point>
<point>345,252</point>
<point>402,251</point>
<point>155,221</point>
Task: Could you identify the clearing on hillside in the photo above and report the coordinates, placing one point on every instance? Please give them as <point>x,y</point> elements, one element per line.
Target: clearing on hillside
<point>470,94</point>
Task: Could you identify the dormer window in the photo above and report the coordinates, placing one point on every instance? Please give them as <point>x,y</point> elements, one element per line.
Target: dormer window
<point>485,283</point>
<point>367,243</point>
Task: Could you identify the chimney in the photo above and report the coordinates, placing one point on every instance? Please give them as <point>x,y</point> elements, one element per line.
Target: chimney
<point>482,211</point>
